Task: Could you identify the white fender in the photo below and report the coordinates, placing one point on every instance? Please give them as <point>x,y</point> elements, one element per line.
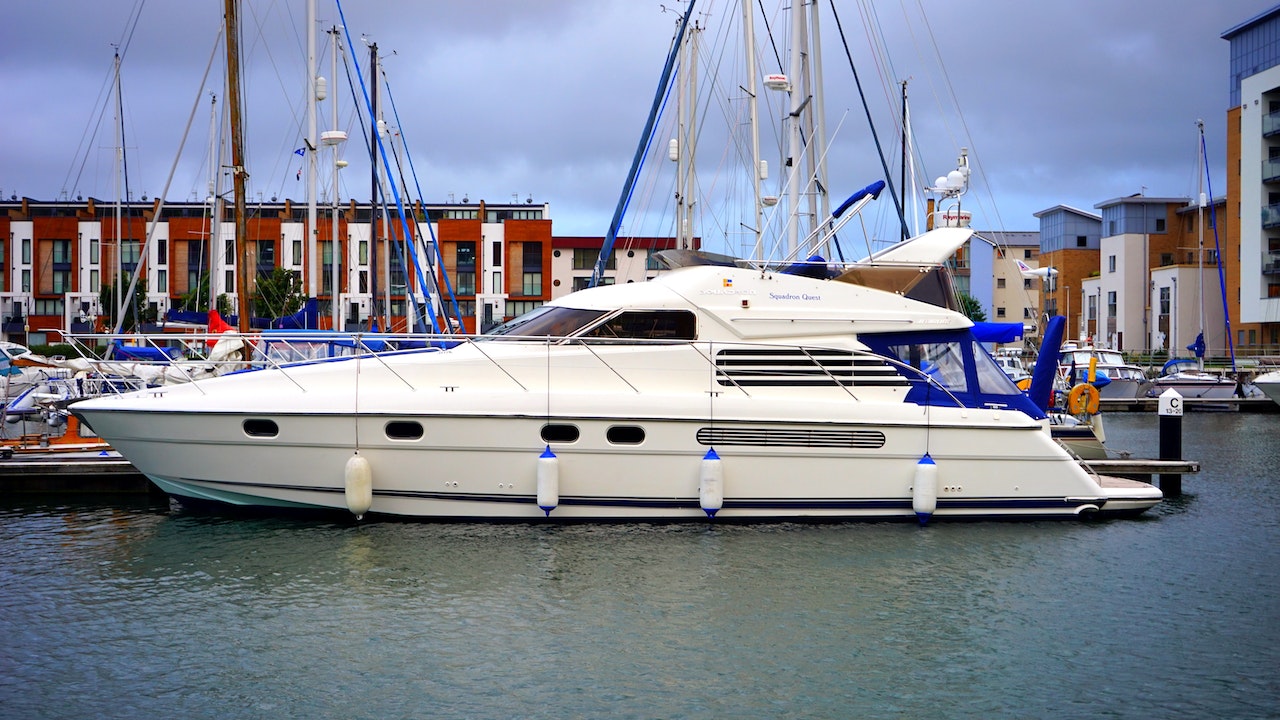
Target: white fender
<point>711,484</point>
<point>359,485</point>
<point>924,491</point>
<point>548,481</point>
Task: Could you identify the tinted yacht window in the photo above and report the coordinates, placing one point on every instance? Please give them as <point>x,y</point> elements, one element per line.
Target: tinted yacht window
<point>648,325</point>
<point>548,321</point>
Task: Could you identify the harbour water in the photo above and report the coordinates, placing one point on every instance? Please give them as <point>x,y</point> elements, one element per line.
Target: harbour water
<point>136,610</point>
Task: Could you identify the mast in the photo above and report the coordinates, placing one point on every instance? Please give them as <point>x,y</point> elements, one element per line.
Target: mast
<point>749,32</point>
<point>685,150</point>
<point>1200,202</point>
<point>244,259</point>
<point>119,161</point>
<point>793,130</point>
<point>313,251</point>
<point>373,179</point>
<point>335,309</point>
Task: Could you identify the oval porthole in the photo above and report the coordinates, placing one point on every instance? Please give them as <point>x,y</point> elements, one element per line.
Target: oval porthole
<point>260,427</point>
<point>404,430</point>
<point>631,253</point>
<point>559,433</point>
<point>625,435</point>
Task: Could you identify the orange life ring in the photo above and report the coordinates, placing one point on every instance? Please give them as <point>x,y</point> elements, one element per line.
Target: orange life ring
<point>1083,398</point>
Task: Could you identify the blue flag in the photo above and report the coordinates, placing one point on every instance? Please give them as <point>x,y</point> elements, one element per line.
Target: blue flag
<point>300,151</point>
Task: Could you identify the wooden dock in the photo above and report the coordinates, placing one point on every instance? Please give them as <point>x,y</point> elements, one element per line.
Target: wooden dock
<point>1140,469</point>
<point>1150,404</point>
<point>87,473</point>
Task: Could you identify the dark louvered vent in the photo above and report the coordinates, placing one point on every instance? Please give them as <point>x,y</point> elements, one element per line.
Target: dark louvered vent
<point>791,367</point>
<point>788,437</point>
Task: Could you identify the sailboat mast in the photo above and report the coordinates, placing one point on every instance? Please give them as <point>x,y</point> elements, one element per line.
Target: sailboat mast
<point>119,161</point>
<point>748,30</point>
<point>244,259</point>
<point>1200,202</point>
<point>373,179</point>
<point>818,118</point>
<point>335,309</point>
<point>313,232</point>
<point>793,130</point>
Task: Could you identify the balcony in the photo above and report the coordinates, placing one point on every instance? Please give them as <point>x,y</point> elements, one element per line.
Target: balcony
<point>1270,124</point>
<point>1271,263</point>
<point>1271,170</point>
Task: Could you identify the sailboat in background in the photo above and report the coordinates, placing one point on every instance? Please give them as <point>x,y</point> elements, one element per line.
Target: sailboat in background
<point>1187,375</point>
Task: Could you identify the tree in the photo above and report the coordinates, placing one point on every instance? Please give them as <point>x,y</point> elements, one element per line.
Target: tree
<point>278,293</point>
<point>971,308</point>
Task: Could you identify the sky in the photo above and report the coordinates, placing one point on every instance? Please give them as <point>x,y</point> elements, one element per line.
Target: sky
<point>507,100</point>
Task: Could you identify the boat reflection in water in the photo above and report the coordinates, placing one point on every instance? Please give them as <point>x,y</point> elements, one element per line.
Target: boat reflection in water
<point>739,393</point>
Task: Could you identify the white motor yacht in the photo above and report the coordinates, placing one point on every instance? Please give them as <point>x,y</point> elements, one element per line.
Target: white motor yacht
<point>739,393</point>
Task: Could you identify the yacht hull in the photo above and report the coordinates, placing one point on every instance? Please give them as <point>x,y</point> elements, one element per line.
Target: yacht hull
<point>485,467</point>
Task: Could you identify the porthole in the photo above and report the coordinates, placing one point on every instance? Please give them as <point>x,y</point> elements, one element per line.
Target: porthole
<point>631,253</point>
<point>260,427</point>
<point>559,433</point>
<point>625,434</point>
<point>404,430</point>
<point>556,253</point>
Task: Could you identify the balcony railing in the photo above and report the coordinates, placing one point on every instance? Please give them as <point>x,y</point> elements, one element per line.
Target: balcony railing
<point>1271,216</point>
<point>1271,170</point>
<point>1271,263</point>
<point>1270,124</point>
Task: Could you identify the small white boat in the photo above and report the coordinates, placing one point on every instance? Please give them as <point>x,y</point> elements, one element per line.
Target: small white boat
<point>1125,381</point>
<point>1269,384</point>
<point>1185,376</point>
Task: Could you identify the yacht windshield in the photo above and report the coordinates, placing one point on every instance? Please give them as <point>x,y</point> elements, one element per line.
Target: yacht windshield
<point>548,321</point>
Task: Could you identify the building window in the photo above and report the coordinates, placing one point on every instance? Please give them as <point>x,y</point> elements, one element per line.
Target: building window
<point>364,252</point>
<point>1000,283</point>
<point>532,284</point>
<point>266,257</point>
<point>497,283</point>
<point>497,252</point>
<point>586,260</point>
<point>61,281</point>
<point>1026,254</point>
<point>94,252</point>
<point>1111,263</point>
<point>162,281</point>
<point>1082,241</point>
<point>297,252</point>
<point>62,252</point>
<point>1026,313</point>
<point>26,251</point>
<point>1111,304</point>
<point>130,254</point>
<point>94,281</point>
<point>26,281</point>
<point>466,283</point>
<point>162,253</point>
<point>1000,312</point>
<point>1159,225</point>
<point>1026,283</point>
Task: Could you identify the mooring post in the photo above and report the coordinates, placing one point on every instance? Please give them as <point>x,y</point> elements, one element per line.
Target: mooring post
<point>1170,439</point>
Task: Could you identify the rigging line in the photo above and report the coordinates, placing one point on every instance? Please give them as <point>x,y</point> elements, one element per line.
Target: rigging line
<point>395,190</point>
<point>395,113</point>
<point>160,198</point>
<point>646,140</point>
<point>103,103</point>
<point>964,124</point>
<point>897,203</point>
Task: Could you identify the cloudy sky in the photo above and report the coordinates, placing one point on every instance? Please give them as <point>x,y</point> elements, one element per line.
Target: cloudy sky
<point>1058,103</point>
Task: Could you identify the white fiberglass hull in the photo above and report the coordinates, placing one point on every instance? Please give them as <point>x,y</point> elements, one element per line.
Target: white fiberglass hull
<point>440,452</point>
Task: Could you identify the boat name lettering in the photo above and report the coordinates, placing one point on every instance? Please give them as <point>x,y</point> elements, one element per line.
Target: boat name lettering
<point>794,296</point>
<point>727,291</point>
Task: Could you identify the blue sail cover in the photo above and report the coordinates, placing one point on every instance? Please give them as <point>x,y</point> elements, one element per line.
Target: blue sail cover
<point>993,332</point>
